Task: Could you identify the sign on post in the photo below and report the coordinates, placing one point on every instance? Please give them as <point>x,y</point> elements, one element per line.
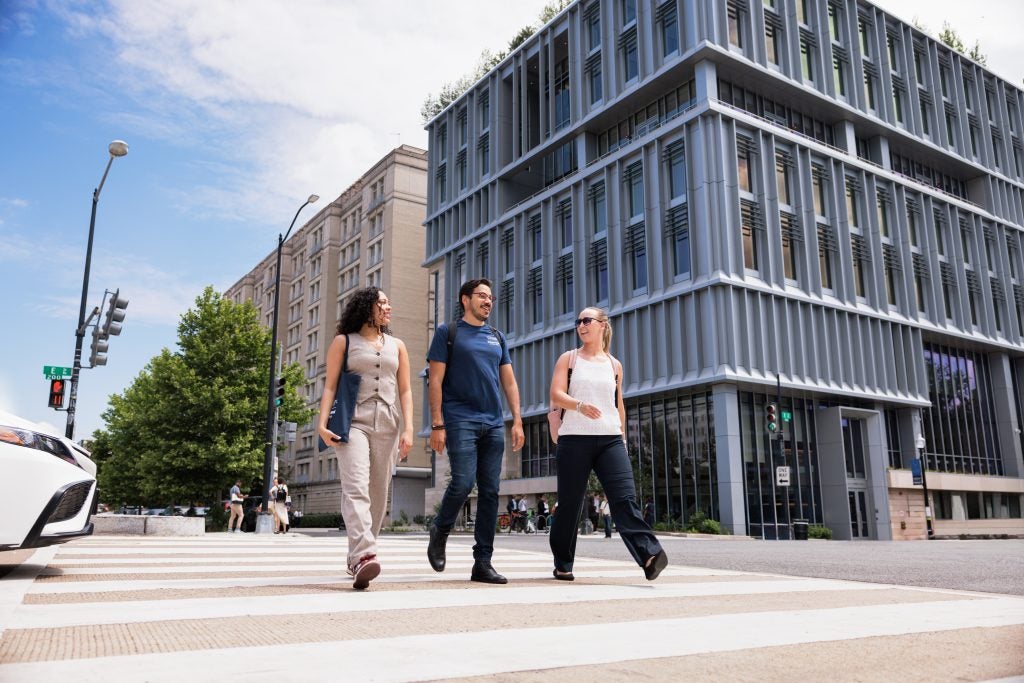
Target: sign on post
<point>915,471</point>
<point>56,372</point>
<point>782,475</point>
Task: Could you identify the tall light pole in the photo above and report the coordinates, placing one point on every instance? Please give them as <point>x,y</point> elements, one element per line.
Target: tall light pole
<point>268,453</point>
<point>117,148</point>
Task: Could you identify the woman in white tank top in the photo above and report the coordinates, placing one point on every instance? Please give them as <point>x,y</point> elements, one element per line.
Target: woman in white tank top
<point>592,438</point>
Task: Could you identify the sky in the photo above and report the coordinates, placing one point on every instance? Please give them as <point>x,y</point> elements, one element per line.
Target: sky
<point>234,112</point>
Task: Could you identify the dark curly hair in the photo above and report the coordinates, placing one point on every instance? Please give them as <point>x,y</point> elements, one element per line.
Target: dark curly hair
<point>359,310</point>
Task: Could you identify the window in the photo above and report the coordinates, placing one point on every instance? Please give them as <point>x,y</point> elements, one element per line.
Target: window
<point>857,248</point>
<point>839,73</point>
<point>897,103</point>
<point>565,219</point>
<point>852,202</point>
<point>749,244</point>
<point>772,42</point>
<point>834,29</point>
<point>628,12</point>
<point>801,11</point>
<point>735,28</point>
<point>484,149</point>
<point>593,21</point>
<point>864,28</point>
<point>676,155</point>
<point>634,180</point>
<point>807,60</point>
<point>536,238</point>
<point>599,267</point>
<point>561,88</point>
<point>594,78</point>
<point>636,248</point>
<point>485,109</point>
<point>824,258</point>
<point>869,90</point>
<point>746,180</point>
<point>630,58</point>
<point>818,182</point>
<point>598,208</point>
<point>783,164</point>
<point>669,19</point>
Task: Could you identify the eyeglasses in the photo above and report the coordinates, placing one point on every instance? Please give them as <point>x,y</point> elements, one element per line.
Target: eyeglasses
<point>485,297</point>
<point>586,321</point>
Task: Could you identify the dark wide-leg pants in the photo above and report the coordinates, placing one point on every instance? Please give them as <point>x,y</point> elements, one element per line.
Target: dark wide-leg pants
<point>605,455</point>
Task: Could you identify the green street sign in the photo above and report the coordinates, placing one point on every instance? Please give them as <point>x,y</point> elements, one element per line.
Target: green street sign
<point>56,372</point>
<point>787,416</point>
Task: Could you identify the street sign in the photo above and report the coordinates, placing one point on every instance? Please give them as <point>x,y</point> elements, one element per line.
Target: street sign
<point>56,372</point>
<point>915,471</point>
<point>782,475</point>
<point>787,416</point>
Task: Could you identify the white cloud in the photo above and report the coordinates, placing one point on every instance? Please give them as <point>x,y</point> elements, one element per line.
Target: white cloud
<point>291,98</point>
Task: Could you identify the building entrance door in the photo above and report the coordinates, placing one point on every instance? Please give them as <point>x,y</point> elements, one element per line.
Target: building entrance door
<point>861,517</point>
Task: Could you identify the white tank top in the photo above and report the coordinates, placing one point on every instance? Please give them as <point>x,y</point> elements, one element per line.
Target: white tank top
<point>593,382</point>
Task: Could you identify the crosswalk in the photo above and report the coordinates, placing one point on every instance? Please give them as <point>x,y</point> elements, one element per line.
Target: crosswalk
<point>222,607</point>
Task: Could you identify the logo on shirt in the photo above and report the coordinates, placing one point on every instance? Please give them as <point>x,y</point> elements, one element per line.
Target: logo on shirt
<point>493,341</point>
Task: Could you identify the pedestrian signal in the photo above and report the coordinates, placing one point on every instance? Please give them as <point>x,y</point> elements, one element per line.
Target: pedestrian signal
<point>56,393</point>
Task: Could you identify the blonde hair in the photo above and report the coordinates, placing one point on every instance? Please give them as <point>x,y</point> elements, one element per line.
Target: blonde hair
<point>606,338</point>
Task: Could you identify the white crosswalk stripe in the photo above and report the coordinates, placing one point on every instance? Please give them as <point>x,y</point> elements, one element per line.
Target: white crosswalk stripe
<point>170,590</point>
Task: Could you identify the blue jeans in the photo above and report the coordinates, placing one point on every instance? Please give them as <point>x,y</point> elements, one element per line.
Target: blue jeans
<point>475,451</point>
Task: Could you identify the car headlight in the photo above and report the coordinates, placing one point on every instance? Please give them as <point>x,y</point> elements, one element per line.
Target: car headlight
<point>19,436</point>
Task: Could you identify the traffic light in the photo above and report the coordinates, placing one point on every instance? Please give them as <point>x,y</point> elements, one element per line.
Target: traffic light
<point>115,314</point>
<point>771,416</point>
<point>99,347</point>
<point>280,391</point>
<point>56,393</point>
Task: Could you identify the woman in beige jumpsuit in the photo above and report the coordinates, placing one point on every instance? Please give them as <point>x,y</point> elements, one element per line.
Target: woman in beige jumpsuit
<point>382,425</point>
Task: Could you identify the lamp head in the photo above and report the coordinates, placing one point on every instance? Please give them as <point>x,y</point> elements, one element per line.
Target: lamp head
<point>118,148</point>
<point>313,198</point>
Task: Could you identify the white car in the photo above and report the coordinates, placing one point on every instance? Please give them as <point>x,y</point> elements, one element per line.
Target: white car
<point>52,486</point>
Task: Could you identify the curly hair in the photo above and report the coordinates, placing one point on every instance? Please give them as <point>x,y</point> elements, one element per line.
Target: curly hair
<point>359,310</point>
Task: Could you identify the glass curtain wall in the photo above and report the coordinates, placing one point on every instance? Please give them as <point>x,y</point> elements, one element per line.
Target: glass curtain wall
<point>672,447</point>
<point>771,508</point>
<point>959,427</point>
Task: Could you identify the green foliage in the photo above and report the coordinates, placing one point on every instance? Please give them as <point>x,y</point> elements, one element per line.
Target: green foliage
<point>700,523</point>
<point>192,421</point>
<point>819,531</point>
<point>322,521</point>
<point>951,37</point>
<point>216,517</point>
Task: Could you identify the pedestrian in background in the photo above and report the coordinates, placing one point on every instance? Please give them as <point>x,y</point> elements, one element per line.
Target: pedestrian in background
<point>236,508</point>
<point>279,499</point>
<point>382,424</point>
<point>469,369</point>
<point>592,438</point>
<point>606,516</point>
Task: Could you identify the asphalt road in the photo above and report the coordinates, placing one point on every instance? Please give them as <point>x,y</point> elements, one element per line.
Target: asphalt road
<point>991,566</point>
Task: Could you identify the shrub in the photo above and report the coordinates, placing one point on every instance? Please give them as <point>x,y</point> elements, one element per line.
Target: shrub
<point>819,531</point>
<point>419,519</point>
<point>216,518</point>
<point>710,526</point>
<point>325,521</point>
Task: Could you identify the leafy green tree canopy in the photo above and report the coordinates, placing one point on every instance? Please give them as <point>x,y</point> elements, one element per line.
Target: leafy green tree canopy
<point>193,420</point>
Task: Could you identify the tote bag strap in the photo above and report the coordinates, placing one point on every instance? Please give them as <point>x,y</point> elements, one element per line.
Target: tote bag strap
<point>568,376</point>
<point>344,358</point>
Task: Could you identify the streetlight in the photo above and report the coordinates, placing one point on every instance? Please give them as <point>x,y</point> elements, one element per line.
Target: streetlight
<point>268,453</point>
<point>117,148</point>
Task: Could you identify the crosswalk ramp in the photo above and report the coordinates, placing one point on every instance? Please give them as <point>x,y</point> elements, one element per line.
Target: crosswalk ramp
<point>219,607</point>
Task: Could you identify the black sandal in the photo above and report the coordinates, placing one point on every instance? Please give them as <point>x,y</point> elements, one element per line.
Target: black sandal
<point>562,576</point>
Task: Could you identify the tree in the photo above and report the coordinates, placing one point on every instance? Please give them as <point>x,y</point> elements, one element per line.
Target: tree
<point>951,37</point>
<point>192,421</point>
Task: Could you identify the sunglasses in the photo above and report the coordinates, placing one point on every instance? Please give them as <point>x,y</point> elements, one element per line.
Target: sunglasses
<point>586,321</point>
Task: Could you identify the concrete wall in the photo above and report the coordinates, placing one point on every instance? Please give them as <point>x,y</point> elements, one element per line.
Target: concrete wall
<point>146,525</point>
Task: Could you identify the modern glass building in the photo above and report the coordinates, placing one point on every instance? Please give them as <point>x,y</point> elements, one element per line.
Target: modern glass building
<point>804,203</point>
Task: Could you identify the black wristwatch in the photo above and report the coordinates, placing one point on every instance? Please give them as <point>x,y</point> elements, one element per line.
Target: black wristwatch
<point>436,427</point>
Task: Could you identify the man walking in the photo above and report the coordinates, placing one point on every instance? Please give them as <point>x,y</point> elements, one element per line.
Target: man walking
<point>469,369</point>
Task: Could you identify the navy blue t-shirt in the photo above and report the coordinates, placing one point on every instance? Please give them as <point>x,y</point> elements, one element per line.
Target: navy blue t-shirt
<point>472,388</point>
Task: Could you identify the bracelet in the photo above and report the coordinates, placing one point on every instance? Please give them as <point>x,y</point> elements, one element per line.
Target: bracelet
<point>579,406</point>
<point>436,427</point>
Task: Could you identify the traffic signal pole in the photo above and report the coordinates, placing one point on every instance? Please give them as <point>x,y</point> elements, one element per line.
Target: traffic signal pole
<point>69,430</point>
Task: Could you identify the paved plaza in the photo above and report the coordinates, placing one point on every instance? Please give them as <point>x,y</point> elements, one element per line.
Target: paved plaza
<point>245,607</point>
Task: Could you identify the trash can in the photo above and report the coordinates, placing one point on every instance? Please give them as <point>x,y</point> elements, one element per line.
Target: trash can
<point>799,529</point>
